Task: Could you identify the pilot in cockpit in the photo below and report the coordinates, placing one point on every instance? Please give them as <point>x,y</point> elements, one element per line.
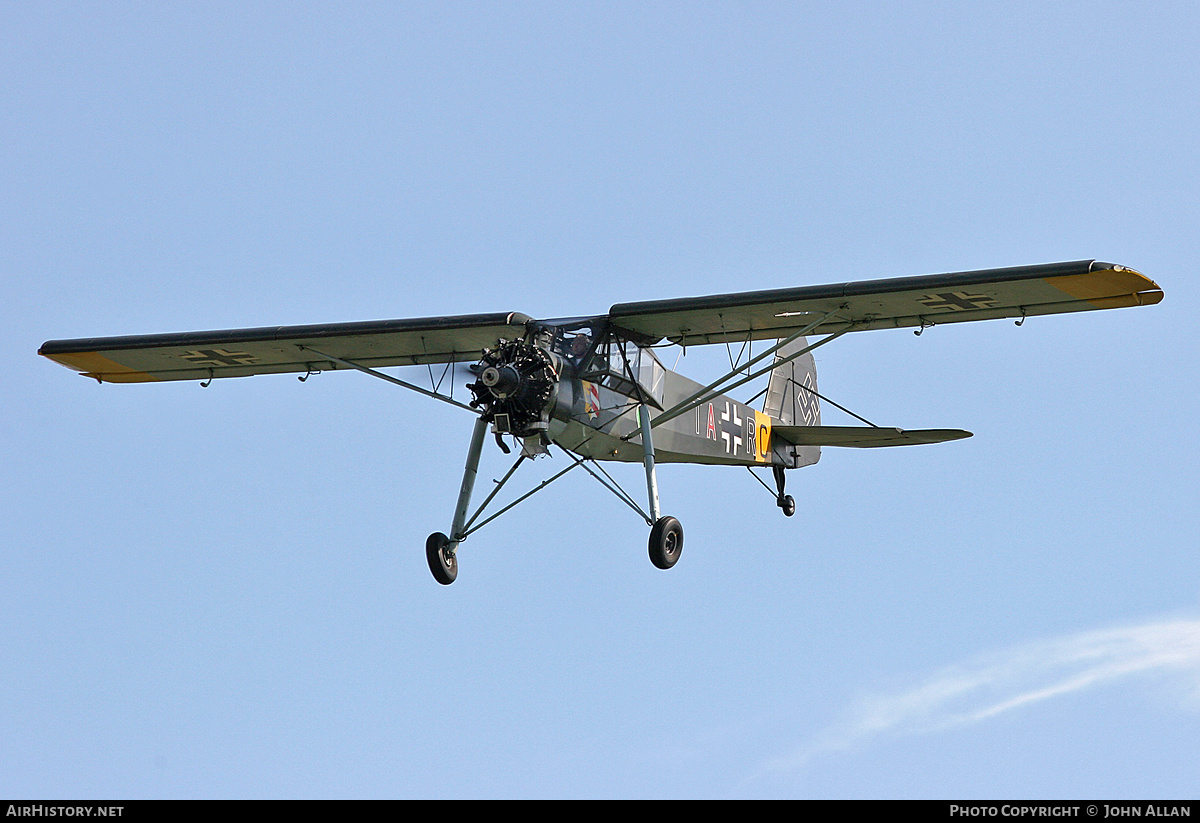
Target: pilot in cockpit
<point>579,349</point>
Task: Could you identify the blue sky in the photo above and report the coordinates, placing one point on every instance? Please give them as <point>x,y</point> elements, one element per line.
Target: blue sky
<point>221,592</point>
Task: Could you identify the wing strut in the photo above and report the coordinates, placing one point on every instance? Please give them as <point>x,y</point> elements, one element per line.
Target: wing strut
<point>693,401</point>
<point>711,391</point>
<point>390,379</point>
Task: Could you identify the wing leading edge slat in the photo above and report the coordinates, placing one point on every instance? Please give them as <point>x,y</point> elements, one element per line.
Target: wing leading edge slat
<point>986,294</point>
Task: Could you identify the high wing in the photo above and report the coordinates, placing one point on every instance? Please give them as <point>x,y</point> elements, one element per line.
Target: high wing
<point>275,349</point>
<point>873,304</point>
<point>894,303</point>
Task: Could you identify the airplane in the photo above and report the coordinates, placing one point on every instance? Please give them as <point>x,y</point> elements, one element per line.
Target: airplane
<point>595,388</point>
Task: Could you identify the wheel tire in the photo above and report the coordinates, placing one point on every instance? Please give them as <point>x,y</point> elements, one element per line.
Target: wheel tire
<point>788,504</point>
<point>444,566</point>
<point>666,542</point>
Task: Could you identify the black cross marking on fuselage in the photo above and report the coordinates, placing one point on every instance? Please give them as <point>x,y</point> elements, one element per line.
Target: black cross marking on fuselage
<point>218,357</point>
<point>958,301</point>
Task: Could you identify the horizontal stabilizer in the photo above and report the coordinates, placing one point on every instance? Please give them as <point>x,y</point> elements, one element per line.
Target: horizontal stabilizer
<point>863,437</point>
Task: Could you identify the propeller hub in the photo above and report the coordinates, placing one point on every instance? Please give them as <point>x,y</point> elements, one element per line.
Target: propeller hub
<point>502,380</point>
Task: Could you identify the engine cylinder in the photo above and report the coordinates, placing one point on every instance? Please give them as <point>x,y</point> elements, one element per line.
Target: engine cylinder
<point>517,384</point>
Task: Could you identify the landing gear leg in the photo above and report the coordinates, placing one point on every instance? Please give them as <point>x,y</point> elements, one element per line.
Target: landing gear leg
<point>440,549</point>
<point>648,460</point>
<point>666,537</point>
<point>784,501</point>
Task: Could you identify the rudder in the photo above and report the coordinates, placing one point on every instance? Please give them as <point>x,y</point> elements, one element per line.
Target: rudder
<point>791,396</point>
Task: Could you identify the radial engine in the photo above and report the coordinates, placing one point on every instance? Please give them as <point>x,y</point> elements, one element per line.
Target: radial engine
<point>515,388</point>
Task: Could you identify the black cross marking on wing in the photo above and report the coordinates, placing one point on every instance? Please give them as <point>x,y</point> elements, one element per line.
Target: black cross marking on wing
<point>958,301</point>
<point>218,357</point>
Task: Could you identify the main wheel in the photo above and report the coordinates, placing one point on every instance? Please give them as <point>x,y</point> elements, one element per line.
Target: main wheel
<point>442,561</point>
<point>666,542</point>
<point>788,504</point>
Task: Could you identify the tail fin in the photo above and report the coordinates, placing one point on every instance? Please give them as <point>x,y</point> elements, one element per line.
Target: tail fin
<point>791,397</point>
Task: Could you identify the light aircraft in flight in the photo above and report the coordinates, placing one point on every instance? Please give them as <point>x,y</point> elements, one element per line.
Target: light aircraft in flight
<point>595,387</point>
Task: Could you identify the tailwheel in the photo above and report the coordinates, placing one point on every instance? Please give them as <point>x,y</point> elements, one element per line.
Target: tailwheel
<point>442,561</point>
<point>666,542</point>
<point>783,501</point>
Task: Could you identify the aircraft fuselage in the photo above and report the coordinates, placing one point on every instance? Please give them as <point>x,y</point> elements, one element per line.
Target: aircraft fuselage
<point>592,420</point>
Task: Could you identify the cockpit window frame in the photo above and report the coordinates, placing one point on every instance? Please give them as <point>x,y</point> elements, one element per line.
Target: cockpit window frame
<point>613,359</point>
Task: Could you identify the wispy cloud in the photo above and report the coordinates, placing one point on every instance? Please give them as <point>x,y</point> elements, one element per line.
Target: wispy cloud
<point>992,684</point>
